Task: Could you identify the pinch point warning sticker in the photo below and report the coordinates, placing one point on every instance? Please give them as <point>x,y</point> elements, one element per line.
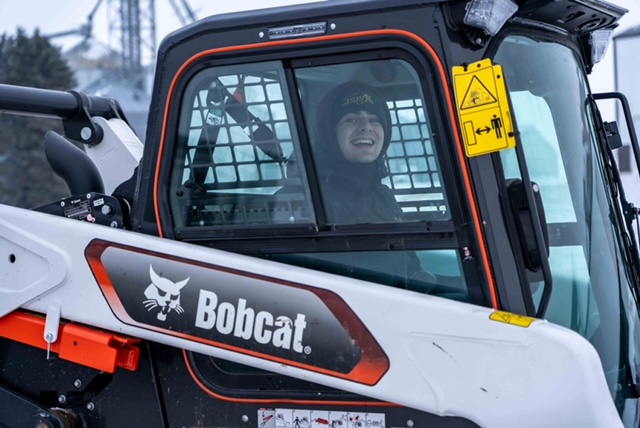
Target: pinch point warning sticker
<point>509,318</point>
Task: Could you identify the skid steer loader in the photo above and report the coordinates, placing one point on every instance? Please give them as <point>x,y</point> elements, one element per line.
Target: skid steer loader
<point>198,278</point>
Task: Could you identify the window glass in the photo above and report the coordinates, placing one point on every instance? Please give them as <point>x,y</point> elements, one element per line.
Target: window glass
<point>592,292</point>
<point>372,166</point>
<point>238,163</point>
<point>372,143</point>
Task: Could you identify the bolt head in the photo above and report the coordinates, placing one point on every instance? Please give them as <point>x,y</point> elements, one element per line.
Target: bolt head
<point>85,133</point>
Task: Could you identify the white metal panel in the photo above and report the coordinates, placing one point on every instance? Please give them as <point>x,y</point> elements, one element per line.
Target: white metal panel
<point>446,357</point>
<point>117,155</point>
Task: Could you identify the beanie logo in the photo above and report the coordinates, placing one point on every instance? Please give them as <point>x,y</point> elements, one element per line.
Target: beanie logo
<point>357,100</point>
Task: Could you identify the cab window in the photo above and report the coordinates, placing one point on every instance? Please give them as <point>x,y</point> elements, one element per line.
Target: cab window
<point>338,164</point>
<point>236,152</point>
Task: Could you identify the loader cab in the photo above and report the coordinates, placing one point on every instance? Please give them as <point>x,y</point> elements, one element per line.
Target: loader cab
<point>238,164</point>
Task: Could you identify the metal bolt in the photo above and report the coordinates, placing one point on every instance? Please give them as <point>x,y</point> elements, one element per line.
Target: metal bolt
<point>245,418</point>
<point>409,423</point>
<point>535,187</point>
<point>479,41</point>
<point>62,399</point>
<point>88,195</point>
<point>85,133</point>
<point>114,224</point>
<point>261,34</point>
<point>332,26</point>
<point>62,203</point>
<point>48,337</point>
<point>77,383</point>
<point>90,406</point>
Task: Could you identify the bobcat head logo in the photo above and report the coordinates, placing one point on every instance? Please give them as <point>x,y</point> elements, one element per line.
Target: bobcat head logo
<point>163,293</point>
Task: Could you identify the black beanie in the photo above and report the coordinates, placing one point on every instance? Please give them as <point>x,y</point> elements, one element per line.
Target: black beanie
<point>347,98</point>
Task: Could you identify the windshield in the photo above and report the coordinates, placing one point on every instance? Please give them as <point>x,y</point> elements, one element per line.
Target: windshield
<point>592,293</point>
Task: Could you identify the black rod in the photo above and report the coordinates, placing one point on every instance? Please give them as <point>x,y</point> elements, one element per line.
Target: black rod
<point>50,103</point>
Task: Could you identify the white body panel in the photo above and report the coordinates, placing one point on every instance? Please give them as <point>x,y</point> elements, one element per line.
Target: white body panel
<point>446,357</point>
<point>117,155</point>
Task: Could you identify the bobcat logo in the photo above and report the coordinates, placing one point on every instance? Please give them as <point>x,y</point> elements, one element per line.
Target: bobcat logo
<point>163,293</point>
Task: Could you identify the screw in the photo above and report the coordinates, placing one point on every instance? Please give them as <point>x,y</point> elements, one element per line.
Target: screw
<point>409,423</point>
<point>77,383</point>
<point>90,406</point>
<point>261,34</point>
<point>62,399</point>
<point>535,188</point>
<point>245,418</point>
<point>114,224</point>
<point>88,195</point>
<point>332,26</point>
<point>106,210</point>
<point>479,41</point>
<point>62,203</point>
<point>85,133</point>
<point>48,337</point>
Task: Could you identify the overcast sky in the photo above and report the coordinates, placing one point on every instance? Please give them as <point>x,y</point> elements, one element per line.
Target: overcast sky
<point>53,16</point>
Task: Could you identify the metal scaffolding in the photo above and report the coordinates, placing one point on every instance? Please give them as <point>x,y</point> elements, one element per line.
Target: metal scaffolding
<point>132,32</point>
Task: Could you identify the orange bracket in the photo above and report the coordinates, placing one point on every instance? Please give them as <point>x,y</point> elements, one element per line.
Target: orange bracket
<point>93,348</point>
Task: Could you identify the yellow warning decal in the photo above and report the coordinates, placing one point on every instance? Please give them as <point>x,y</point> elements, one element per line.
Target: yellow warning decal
<point>477,95</point>
<point>509,318</point>
<point>483,108</point>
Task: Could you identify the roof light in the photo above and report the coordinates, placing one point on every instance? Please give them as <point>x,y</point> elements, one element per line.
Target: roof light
<point>489,15</point>
<point>600,41</point>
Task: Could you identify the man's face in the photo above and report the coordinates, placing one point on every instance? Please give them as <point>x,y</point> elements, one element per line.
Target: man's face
<point>360,136</point>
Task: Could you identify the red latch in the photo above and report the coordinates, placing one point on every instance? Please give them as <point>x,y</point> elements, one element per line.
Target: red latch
<point>98,349</point>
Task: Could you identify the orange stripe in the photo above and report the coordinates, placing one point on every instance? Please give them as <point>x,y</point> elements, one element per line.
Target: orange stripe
<point>386,32</point>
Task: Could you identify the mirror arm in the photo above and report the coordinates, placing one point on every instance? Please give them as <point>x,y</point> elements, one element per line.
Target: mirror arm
<point>628,118</point>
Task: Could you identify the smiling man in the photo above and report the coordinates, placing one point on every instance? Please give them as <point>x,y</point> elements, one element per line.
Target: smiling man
<point>360,136</point>
<point>353,132</point>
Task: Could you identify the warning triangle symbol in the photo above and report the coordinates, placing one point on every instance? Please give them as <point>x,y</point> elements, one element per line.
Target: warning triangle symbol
<point>477,95</point>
